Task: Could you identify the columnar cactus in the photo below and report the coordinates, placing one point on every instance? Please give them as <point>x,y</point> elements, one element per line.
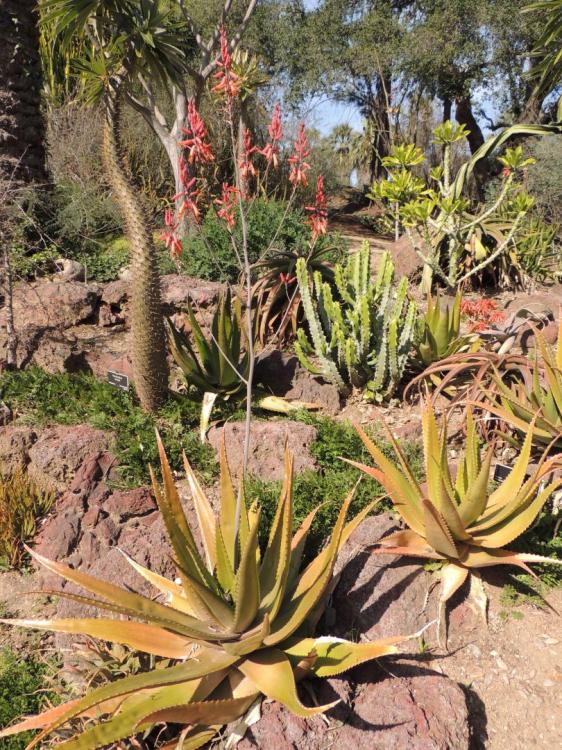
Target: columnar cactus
<point>361,333</point>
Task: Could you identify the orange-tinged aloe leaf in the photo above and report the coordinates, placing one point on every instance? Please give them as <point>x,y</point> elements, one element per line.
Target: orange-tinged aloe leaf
<point>225,565</point>
<point>274,569</point>
<point>407,491</point>
<point>402,459</point>
<point>453,520</point>
<point>178,530</point>
<point>394,484</point>
<point>511,485</point>
<point>220,611</point>
<point>39,721</point>
<point>150,610</point>
<point>311,584</point>
<point>452,578</point>
<point>246,593</point>
<point>475,499</point>
<point>173,591</point>
<point>101,700</point>
<point>271,672</point>
<point>406,538</point>
<point>227,517</point>
<point>205,515</point>
<point>529,557</point>
<point>136,635</point>
<point>202,712</point>
<point>136,707</point>
<point>472,452</point>
<point>510,528</point>
<point>336,655</point>
<point>298,544</point>
<point>436,532</point>
<point>476,557</point>
<point>433,455</point>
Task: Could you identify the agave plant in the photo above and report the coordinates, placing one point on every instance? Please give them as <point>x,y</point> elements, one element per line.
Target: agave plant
<point>239,623</point>
<point>459,521</point>
<point>537,400</point>
<point>439,332</point>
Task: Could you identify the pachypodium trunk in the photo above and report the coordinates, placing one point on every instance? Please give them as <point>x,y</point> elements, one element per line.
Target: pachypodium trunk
<point>150,370</point>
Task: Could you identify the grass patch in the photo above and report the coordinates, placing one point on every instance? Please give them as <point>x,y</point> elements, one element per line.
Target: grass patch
<point>21,693</point>
<point>41,399</point>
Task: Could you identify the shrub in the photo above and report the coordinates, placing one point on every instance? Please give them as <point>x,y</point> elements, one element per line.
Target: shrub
<point>209,254</point>
<point>22,503</point>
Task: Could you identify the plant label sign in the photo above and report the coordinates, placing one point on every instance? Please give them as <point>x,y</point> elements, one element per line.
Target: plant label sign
<point>501,472</point>
<point>118,379</point>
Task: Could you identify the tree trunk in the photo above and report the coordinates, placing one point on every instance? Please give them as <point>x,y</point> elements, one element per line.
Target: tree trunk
<point>379,116</point>
<point>447,107</point>
<point>22,131</point>
<point>150,369</point>
<point>465,116</point>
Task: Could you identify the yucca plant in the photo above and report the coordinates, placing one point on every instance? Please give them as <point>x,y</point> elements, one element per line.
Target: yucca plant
<point>439,331</point>
<point>458,520</point>
<point>364,336</point>
<point>536,400</point>
<point>239,622</point>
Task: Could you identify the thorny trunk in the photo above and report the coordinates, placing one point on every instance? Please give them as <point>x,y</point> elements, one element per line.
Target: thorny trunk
<point>22,153</point>
<point>11,337</point>
<point>150,370</point>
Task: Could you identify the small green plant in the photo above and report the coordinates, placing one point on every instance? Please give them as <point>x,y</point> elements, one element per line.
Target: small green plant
<point>21,692</point>
<point>22,503</point>
<point>439,332</point>
<point>364,338</point>
<point>239,623</point>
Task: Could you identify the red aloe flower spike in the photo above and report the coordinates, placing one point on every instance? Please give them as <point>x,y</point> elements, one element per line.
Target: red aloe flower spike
<point>197,144</point>
<point>227,203</point>
<point>318,218</point>
<point>299,167</point>
<point>271,150</point>
<point>229,83</point>
<point>247,168</point>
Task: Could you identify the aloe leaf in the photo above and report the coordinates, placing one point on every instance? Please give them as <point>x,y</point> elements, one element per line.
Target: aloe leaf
<point>246,592</point>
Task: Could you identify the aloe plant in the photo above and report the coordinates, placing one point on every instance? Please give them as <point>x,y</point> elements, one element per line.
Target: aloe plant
<point>536,400</point>
<point>364,338</point>
<point>219,367</point>
<point>238,622</point>
<point>439,331</point>
<point>459,521</point>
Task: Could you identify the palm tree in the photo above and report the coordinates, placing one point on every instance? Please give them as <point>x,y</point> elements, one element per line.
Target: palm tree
<point>121,41</point>
<point>22,153</point>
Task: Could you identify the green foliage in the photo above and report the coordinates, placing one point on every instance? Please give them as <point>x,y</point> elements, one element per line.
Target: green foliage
<point>22,504</point>
<point>363,338</point>
<point>39,398</point>
<point>105,264</point>
<point>544,177</point>
<point>21,683</point>
<point>272,226</point>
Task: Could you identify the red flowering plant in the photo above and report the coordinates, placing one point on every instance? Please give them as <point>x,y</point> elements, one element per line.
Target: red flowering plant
<point>481,313</point>
<point>269,279</point>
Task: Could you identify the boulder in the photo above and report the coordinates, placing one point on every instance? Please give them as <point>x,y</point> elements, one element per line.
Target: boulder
<point>283,375</point>
<point>59,451</point>
<point>70,270</point>
<point>15,443</point>
<point>406,261</point>
<point>52,304</point>
<point>267,446</point>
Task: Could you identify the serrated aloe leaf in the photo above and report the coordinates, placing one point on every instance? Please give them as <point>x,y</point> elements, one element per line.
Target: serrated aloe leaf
<point>275,564</point>
<point>227,522</point>
<point>149,610</point>
<point>437,533</point>
<point>505,531</point>
<point>137,635</point>
<point>476,557</point>
<point>336,655</point>
<point>200,341</point>
<point>271,672</point>
<point>475,499</point>
<point>251,641</point>
<point>102,699</point>
<point>124,724</point>
<point>195,738</point>
<point>246,593</point>
<point>44,719</point>
<point>452,578</point>
<point>203,712</point>
<point>298,544</point>
<point>511,485</point>
<point>205,515</point>
<point>173,591</point>
<point>406,493</point>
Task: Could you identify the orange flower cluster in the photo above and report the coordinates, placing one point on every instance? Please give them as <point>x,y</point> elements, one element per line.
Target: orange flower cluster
<point>229,83</point>
<point>196,143</point>
<point>299,165</point>
<point>318,218</point>
<point>275,130</point>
